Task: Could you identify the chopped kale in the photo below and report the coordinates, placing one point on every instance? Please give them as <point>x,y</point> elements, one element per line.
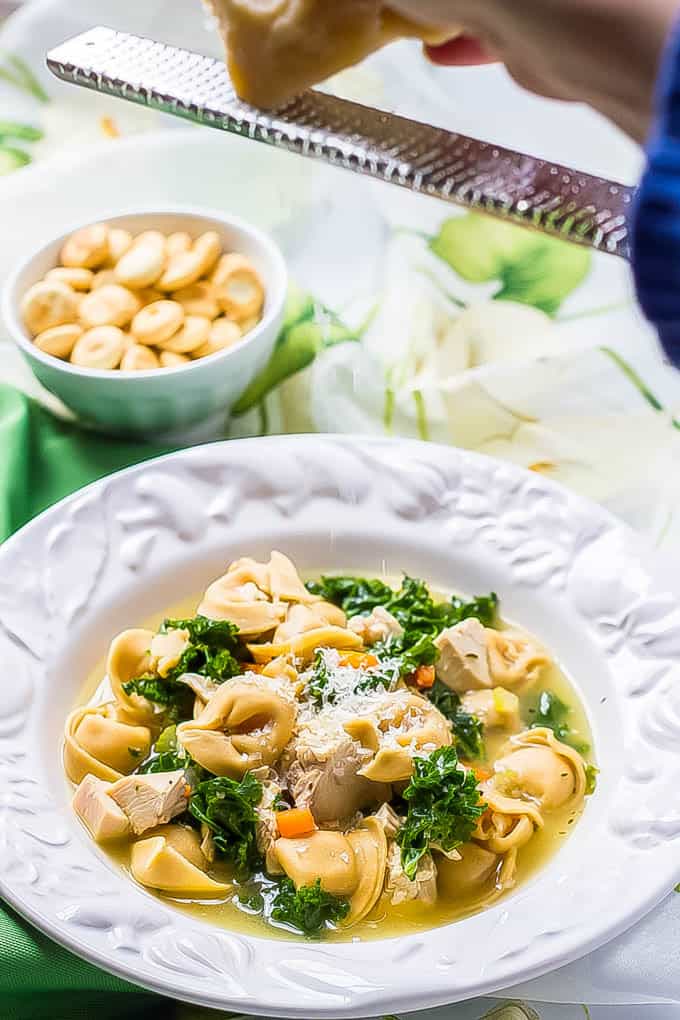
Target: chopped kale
<point>228,807</point>
<point>375,679</point>
<point>468,731</point>
<point>320,681</point>
<point>211,648</point>
<point>468,735</point>
<point>167,755</point>
<point>412,605</point>
<point>169,761</point>
<point>408,657</point>
<point>167,740</point>
<point>309,909</point>
<point>210,652</point>
<point>591,779</point>
<point>177,699</point>
<point>357,596</point>
<point>252,901</point>
<point>551,711</point>
<point>202,630</point>
<point>421,618</point>
<point>444,806</point>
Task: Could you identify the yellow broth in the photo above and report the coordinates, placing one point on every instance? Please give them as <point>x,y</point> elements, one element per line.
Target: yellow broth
<point>385,920</point>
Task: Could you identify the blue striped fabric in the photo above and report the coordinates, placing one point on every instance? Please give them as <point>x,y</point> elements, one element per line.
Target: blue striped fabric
<point>656,227</point>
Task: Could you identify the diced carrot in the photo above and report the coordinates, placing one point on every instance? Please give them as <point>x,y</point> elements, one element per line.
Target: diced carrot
<point>424,677</point>
<point>358,660</point>
<point>295,822</point>
<point>252,667</point>
<point>481,773</point>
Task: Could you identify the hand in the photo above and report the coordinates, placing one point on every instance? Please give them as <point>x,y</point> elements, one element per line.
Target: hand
<point>602,52</point>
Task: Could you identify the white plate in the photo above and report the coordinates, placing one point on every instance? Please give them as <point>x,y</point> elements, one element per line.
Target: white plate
<point>134,543</point>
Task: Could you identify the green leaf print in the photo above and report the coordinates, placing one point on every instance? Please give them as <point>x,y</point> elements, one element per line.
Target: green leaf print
<point>479,248</point>
<point>512,1011</point>
<point>299,306</point>
<point>545,275</point>
<point>16,72</point>
<point>308,328</point>
<point>16,129</point>
<point>12,159</point>
<point>532,269</point>
<point>11,156</point>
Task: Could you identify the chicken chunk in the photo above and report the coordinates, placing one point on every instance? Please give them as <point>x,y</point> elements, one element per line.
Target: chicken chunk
<point>324,773</point>
<point>401,889</point>
<point>379,625</point>
<point>103,817</point>
<point>266,829</point>
<point>463,663</point>
<point>498,709</point>
<point>167,649</point>
<point>151,800</point>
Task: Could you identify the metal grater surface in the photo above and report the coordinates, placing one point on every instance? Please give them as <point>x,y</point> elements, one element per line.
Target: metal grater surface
<point>554,199</point>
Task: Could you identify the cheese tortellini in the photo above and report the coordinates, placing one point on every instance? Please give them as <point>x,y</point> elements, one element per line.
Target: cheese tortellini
<point>270,600</point>
<point>325,855</point>
<point>97,743</point>
<point>542,768</point>
<point>401,726</point>
<point>478,873</point>
<point>537,774</point>
<point>129,658</point>
<point>302,619</point>
<point>351,866</point>
<point>255,596</point>
<point>246,605</point>
<point>303,646</point>
<point>245,724</point>
<point>515,660</point>
<point>171,860</point>
<point>473,868</point>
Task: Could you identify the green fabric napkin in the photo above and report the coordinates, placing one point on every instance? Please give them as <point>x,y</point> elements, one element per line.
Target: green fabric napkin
<point>41,981</point>
<point>43,459</point>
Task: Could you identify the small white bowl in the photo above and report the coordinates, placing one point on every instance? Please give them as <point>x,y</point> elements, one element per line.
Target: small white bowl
<point>157,400</point>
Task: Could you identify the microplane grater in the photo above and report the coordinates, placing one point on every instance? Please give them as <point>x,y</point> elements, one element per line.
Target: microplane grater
<point>554,199</point>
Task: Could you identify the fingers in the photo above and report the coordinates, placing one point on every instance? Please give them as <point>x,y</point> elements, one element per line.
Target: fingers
<point>468,51</point>
<point>464,51</point>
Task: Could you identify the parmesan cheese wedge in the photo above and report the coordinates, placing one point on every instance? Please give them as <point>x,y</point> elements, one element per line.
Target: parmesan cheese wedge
<point>278,48</point>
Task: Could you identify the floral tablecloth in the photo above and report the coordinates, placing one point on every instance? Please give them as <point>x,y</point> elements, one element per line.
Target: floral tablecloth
<point>407,317</point>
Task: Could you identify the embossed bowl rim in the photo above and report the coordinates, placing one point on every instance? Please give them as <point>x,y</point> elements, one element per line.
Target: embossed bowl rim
<point>133,543</point>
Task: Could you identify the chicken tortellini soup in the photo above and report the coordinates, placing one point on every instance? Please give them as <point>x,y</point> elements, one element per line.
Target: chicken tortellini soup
<point>336,758</point>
